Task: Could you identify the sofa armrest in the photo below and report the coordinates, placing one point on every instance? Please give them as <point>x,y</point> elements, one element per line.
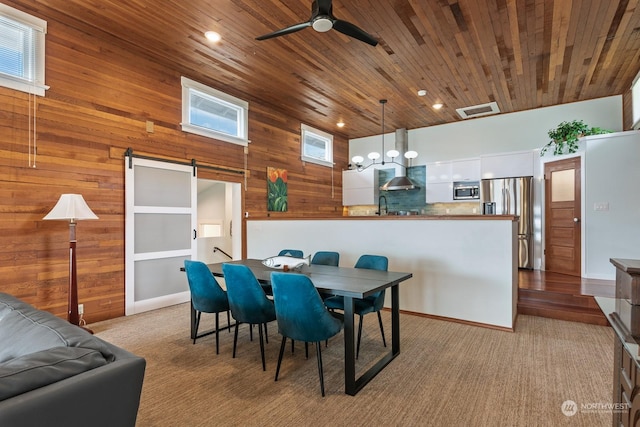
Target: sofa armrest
<point>105,396</point>
<point>45,367</point>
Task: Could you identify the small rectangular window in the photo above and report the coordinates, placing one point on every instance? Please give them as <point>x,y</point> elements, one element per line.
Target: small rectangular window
<point>317,146</point>
<point>22,57</point>
<point>214,114</point>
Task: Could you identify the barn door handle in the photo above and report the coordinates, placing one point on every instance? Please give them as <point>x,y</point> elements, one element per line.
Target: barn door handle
<point>576,219</point>
<point>195,234</point>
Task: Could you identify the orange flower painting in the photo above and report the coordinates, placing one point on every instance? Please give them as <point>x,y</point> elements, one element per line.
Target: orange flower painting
<point>276,190</point>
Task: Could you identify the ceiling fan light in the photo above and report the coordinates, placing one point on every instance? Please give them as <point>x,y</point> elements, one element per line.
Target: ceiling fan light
<point>322,24</point>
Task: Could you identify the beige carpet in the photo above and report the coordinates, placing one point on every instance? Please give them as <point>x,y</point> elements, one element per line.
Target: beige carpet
<point>447,374</point>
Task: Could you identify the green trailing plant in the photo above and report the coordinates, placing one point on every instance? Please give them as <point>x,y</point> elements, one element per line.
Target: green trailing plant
<point>564,138</point>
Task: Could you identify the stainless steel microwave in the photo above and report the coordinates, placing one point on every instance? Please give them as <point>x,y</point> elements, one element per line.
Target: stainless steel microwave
<point>466,190</point>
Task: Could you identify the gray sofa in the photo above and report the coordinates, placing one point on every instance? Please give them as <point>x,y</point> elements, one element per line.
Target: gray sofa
<point>53,373</point>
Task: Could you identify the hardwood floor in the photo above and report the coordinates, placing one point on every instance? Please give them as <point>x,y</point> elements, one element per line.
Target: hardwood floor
<point>560,296</point>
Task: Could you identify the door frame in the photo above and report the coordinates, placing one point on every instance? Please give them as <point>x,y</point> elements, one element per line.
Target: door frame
<point>550,158</point>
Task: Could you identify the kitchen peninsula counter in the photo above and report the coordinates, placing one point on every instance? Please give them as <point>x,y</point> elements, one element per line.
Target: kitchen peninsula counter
<point>464,266</point>
<point>398,217</point>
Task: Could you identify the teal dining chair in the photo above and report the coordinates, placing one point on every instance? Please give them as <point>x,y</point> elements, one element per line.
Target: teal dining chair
<point>296,253</point>
<point>301,315</point>
<point>248,303</point>
<point>207,296</point>
<point>370,304</point>
<point>326,258</point>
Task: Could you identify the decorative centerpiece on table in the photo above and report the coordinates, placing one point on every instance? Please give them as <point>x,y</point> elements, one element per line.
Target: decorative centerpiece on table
<point>564,138</point>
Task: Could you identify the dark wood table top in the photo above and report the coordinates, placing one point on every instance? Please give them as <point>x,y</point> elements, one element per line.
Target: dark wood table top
<point>345,281</point>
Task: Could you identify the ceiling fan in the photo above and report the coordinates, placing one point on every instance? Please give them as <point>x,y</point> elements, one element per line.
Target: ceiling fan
<point>322,20</point>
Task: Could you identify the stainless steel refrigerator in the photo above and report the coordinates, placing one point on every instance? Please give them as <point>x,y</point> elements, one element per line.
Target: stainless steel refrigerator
<point>513,196</point>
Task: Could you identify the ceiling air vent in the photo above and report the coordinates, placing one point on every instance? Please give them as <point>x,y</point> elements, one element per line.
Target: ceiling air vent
<point>478,110</point>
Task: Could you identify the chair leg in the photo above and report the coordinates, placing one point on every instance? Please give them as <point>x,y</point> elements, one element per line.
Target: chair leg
<point>306,349</point>
<point>292,345</point>
<point>320,373</point>
<point>217,333</point>
<point>382,329</point>
<point>195,336</point>
<point>266,334</point>
<point>264,366</point>
<point>359,335</point>
<point>284,341</point>
<point>229,320</point>
<point>235,339</point>
<point>251,332</point>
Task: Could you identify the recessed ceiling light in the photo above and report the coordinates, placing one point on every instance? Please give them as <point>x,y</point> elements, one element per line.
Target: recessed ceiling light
<point>437,106</point>
<point>212,36</point>
<point>422,92</point>
<point>340,124</point>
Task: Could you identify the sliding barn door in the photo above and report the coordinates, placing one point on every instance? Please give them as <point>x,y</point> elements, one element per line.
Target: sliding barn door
<point>160,225</point>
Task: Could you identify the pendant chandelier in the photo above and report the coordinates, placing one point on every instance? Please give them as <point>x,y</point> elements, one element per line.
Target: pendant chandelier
<point>358,160</point>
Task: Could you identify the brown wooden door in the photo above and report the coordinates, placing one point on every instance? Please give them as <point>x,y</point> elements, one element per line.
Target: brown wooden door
<point>562,216</point>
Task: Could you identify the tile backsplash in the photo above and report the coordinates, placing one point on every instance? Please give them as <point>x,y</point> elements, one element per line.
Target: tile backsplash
<point>414,200</point>
<point>411,200</point>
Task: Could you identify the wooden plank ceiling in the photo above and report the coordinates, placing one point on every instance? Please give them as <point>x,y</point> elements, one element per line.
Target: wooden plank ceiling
<point>521,54</point>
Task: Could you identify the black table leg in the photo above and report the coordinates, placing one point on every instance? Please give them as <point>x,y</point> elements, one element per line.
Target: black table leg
<point>395,320</point>
<point>352,384</point>
<point>349,349</point>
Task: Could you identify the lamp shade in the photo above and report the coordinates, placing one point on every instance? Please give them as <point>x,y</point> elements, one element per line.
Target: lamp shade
<point>71,207</point>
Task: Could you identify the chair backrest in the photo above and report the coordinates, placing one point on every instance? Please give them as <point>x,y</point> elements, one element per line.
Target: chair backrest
<point>326,258</point>
<point>247,300</point>
<point>300,312</point>
<point>292,252</point>
<point>374,262</point>
<point>206,293</point>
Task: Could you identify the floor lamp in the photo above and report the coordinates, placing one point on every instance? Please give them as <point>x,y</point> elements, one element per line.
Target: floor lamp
<point>72,207</point>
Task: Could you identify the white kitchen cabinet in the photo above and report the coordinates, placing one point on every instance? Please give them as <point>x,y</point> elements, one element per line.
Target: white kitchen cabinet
<point>465,170</point>
<point>439,192</point>
<point>439,172</point>
<point>507,165</point>
<point>360,188</point>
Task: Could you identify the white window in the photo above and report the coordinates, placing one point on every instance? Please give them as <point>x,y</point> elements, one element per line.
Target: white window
<point>22,51</point>
<point>209,112</point>
<point>317,146</point>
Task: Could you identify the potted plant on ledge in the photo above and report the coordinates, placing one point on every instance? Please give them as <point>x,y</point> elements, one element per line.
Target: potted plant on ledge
<point>564,138</point>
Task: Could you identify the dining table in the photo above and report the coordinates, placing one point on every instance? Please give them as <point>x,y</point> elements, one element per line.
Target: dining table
<point>350,283</point>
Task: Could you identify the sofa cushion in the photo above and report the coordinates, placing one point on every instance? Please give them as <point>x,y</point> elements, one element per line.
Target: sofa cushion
<point>29,330</point>
<point>41,368</point>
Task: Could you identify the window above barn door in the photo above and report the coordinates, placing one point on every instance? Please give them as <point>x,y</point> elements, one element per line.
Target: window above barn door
<point>214,114</point>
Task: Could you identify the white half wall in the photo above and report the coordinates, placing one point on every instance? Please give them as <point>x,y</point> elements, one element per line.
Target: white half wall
<point>462,269</point>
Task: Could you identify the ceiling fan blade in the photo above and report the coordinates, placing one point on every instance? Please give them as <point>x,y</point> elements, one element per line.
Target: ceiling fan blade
<point>347,28</point>
<point>322,7</point>
<point>284,31</point>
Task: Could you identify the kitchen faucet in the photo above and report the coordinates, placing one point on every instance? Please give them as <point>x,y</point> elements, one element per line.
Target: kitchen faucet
<point>386,206</point>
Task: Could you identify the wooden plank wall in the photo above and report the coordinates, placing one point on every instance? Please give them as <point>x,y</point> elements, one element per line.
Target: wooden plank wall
<point>102,94</point>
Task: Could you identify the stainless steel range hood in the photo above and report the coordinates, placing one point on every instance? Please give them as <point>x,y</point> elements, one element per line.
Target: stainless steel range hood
<point>401,182</point>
